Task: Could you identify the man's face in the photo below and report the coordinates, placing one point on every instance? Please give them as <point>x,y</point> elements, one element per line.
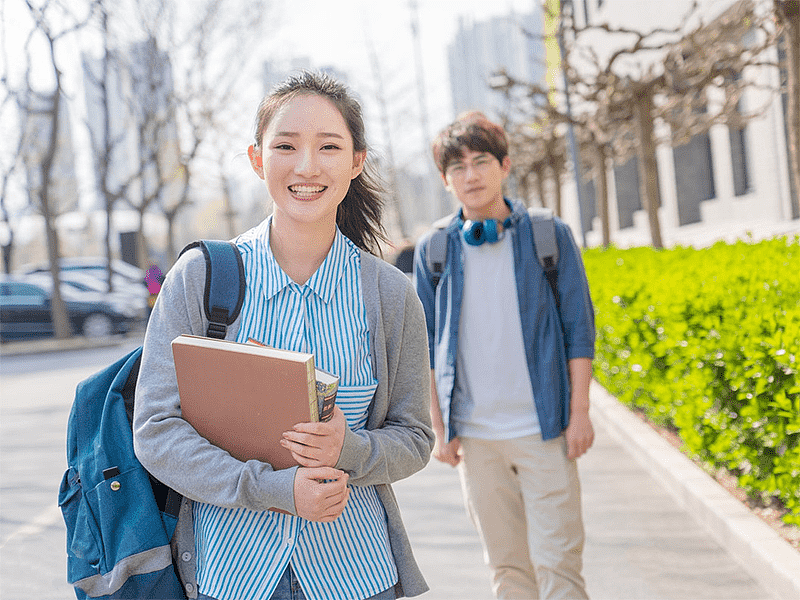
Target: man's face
<point>476,180</point>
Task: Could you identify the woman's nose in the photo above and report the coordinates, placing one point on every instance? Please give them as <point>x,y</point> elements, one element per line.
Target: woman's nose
<point>307,163</point>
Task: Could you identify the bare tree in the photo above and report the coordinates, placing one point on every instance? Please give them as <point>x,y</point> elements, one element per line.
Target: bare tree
<point>106,138</point>
<point>53,23</point>
<point>380,96</point>
<point>620,103</point>
<point>218,46</point>
<point>8,172</point>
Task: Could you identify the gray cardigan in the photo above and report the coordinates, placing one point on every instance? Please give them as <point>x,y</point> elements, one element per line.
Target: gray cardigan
<point>395,444</point>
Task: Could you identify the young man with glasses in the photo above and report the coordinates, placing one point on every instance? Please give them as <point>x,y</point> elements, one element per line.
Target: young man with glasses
<point>511,366</point>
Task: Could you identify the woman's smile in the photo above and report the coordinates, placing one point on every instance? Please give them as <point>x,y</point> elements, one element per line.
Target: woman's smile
<point>307,192</point>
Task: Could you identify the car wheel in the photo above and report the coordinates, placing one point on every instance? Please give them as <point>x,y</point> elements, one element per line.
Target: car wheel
<point>97,325</point>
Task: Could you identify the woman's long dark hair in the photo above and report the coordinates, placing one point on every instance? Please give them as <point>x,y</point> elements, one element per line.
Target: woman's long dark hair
<point>359,215</point>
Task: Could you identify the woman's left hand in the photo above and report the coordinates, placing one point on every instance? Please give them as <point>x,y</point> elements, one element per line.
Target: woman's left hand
<point>317,444</point>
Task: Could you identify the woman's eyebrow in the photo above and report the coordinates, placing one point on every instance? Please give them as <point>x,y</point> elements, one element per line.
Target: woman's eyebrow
<point>322,134</point>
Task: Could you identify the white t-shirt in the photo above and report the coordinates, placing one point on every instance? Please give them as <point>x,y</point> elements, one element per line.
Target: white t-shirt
<point>493,397</point>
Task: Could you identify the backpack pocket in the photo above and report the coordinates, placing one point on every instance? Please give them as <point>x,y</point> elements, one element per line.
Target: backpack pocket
<point>83,534</point>
<point>128,515</point>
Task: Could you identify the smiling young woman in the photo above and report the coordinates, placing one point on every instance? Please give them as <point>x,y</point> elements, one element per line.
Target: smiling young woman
<point>307,160</point>
<point>314,285</point>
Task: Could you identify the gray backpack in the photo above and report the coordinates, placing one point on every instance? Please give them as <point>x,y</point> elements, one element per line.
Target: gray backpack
<point>544,241</point>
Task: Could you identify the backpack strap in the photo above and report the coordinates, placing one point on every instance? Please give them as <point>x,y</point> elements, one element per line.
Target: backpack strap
<point>436,256</point>
<point>544,241</point>
<point>225,284</point>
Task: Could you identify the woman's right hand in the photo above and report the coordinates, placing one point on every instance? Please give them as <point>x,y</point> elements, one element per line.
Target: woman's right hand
<point>320,493</point>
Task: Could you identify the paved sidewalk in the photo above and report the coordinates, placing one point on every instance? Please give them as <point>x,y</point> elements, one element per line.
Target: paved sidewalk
<point>657,526</point>
<point>643,542</point>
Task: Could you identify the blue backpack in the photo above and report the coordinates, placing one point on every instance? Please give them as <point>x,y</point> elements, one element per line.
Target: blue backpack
<point>119,518</point>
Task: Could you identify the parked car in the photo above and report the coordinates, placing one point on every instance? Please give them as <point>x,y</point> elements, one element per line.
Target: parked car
<point>97,266</point>
<point>25,303</point>
<point>124,292</point>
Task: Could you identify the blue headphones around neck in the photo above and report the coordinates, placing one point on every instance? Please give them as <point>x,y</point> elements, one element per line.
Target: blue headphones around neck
<point>477,232</point>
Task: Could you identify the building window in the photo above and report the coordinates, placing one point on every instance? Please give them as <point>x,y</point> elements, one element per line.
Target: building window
<point>694,177</point>
<point>626,182</point>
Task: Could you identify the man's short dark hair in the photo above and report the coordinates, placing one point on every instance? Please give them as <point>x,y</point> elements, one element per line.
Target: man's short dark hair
<point>470,131</point>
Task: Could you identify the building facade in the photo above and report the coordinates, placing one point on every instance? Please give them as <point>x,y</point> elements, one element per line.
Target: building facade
<point>511,42</point>
<point>723,184</point>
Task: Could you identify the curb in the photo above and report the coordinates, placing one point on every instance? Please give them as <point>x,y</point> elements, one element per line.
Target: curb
<point>19,348</point>
<point>766,556</point>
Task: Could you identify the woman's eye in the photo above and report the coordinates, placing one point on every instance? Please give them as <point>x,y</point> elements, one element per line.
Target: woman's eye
<point>331,147</point>
<point>283,146</point>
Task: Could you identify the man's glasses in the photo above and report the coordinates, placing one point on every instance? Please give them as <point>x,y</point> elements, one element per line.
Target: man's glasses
<point>459,169</point>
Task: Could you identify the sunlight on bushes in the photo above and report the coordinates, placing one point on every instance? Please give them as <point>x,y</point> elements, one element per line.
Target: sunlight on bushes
<point>705,342</point>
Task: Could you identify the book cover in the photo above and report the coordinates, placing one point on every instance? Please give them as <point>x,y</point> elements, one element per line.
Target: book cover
<point>242,397</point>
<point>327,388</point>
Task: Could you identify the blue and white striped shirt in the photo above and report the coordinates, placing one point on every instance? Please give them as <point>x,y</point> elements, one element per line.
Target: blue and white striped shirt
<point>241,554</point>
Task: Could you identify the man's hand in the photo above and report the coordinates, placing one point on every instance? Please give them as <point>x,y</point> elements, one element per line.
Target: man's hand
<point>579,434</point>
<point>317,444</point>
<point>449,453</point>
<point>320,494</point>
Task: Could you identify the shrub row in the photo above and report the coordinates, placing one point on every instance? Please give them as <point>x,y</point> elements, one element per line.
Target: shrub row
<point>707,342</point>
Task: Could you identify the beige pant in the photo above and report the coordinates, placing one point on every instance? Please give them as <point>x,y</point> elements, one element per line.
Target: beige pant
<point>523,496</point>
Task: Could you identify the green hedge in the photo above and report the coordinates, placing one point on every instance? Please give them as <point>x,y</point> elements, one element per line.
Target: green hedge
<point>707,342</point>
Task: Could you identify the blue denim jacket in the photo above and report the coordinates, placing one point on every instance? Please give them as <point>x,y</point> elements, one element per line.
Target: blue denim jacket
<point>548,346</point>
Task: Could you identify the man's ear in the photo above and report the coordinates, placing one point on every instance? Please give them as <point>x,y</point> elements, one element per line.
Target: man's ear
<point>506,165</point>
<point>358,163</point>
<point>446,183</point>
<point>256,161</point>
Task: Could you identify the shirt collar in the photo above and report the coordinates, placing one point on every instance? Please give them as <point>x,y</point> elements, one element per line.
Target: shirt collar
<point>325,279</point>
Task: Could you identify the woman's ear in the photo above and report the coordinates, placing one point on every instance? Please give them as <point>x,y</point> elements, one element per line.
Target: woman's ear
<point>358,163</point>
<point>256,161</point>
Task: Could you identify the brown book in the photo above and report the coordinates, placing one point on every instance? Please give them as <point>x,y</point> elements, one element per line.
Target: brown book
<point>242,397</point>
<point>327,388</point>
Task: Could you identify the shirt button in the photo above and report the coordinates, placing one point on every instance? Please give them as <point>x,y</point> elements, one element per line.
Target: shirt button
<point>186,556</point>
<point>189,588</point>
<point>289,541</point>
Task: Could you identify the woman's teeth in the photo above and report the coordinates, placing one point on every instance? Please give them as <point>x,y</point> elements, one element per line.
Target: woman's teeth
<point>306,190</point>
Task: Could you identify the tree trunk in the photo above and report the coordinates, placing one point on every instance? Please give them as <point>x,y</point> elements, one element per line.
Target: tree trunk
<point>648,165</point>
<point>539,174</point>
<point>601,197</point>
<point>525,188</point>
<point>58,311</point>
<point>555,170</point>
<point>788,12</point>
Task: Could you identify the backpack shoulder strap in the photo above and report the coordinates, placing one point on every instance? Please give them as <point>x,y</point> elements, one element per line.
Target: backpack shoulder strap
<point>436,256</point>
<point>544,241</point>
<point>225,284</point>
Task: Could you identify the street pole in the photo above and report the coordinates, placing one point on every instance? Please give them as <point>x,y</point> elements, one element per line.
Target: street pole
<point>573,146</point>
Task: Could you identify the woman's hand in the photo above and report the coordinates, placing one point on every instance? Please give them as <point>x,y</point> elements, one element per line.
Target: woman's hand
<point>320,494</point>
<point>317,444</point>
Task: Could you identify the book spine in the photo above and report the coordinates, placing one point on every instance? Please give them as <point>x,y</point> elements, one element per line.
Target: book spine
<point>313,405</point>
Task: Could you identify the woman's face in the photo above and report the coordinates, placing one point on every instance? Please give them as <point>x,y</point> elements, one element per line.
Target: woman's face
<point>307,159</point>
